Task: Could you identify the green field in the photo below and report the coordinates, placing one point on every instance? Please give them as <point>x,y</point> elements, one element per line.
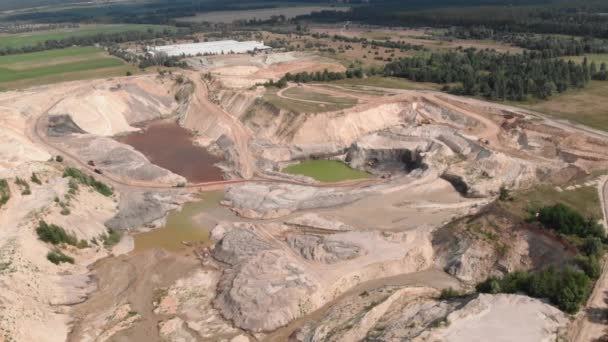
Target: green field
<point>587,106</point>
<point>33,38</point>
<point>325,171</point>
<point>387,82</point>
<point>308,95</point>
<point>18,71</point>
<point>306,101</point>
<point>597,58</point>
<point>584,199</point>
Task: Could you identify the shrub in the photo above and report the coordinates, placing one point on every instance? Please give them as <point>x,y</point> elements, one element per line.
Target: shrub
<point>5,192</point>
<point>490,285</point>
<point>35,178</point>
<point>504,194</point>
<point>568,288</point>
<point>57,257</point>
<point>566,220</point>
<point>82,244</point>
<point>112,238</point>
<point>24,186</point>
<point>83,178</point>
<point>450,293</point>
<point>54,234</point>
<point>59,159</point>
<point>592,246</point>
<point>590,265</point>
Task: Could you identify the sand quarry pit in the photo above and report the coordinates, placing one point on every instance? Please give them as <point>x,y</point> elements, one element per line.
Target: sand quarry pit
<point>272,255</point>
<point>170,146</point>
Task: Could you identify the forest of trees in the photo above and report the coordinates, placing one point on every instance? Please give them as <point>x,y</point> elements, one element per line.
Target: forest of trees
<point>575,17</point>
<point>548,46</point>
<point>389,44</point>
<point>497,75</point>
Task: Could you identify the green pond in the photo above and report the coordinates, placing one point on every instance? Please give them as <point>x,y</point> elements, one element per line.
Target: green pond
<point>180,226</point>
<point>326,170</point>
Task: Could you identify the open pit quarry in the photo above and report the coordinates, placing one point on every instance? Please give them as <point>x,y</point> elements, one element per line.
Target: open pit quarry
<point>288,258</point>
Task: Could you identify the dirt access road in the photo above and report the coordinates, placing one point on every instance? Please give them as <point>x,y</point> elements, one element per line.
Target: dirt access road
<point>592,322</point>
<point>35,133</point>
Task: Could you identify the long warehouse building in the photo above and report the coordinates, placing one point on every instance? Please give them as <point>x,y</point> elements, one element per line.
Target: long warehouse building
<point>210,48</point>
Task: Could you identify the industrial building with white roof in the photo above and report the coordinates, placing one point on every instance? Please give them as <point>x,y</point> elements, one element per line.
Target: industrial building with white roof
<point>210,48</point>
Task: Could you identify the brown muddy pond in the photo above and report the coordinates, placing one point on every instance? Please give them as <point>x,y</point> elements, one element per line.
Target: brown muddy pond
<point>170,146</point>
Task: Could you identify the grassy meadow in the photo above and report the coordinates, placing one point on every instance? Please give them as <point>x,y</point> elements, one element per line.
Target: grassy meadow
<point>587,106</point>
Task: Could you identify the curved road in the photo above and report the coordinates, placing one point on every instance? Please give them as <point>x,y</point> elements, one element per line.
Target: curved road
<point>36,135</point>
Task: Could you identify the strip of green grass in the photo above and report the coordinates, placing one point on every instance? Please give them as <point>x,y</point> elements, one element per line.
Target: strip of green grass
<point>7,75</point>
<point>387,82</point>
<point>325,171</point>
<point>33,38</point>
<point>308,95</point>
<point>296,106</point>
<point>43,56</point>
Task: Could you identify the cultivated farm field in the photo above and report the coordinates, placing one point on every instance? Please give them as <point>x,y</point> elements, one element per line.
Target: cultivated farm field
<point>18,71</point>
<point>33,38</point>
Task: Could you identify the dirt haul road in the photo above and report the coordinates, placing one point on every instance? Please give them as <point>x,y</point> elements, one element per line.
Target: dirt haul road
<point>36,135</point>
<point>591,323</point>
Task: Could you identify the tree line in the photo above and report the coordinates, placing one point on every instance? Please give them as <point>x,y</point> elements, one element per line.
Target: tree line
<point>497,76</point>
<point>549,45</point>
<point>576,17</point>
<point>100,38</point>
<point>324,76</point>
<point>389,44</point>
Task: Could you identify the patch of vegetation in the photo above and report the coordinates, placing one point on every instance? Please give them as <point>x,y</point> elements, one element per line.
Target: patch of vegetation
<point>584,199</point>
<point>111,238</point>
<point>592,246</point>
<point>568,221</point>
<point>388,82</point>
<point>325,170</point>
<point>5,192</point>
<point>54,234</point>
<point>59,159</point>
<point>584,106</point>
<point>504,194</point>
<point>496,76</point>
<point>58,65</point>
<point>83,178</point>
<point>24,186</point>
<point>590,265</point>
<point>567,288</point>
<point>309,95</point>
<point>35,179</point>
<point>57,257</point>
<point>450,293</point>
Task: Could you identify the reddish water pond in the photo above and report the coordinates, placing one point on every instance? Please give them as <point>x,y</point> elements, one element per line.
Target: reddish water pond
<point>170,146</point>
